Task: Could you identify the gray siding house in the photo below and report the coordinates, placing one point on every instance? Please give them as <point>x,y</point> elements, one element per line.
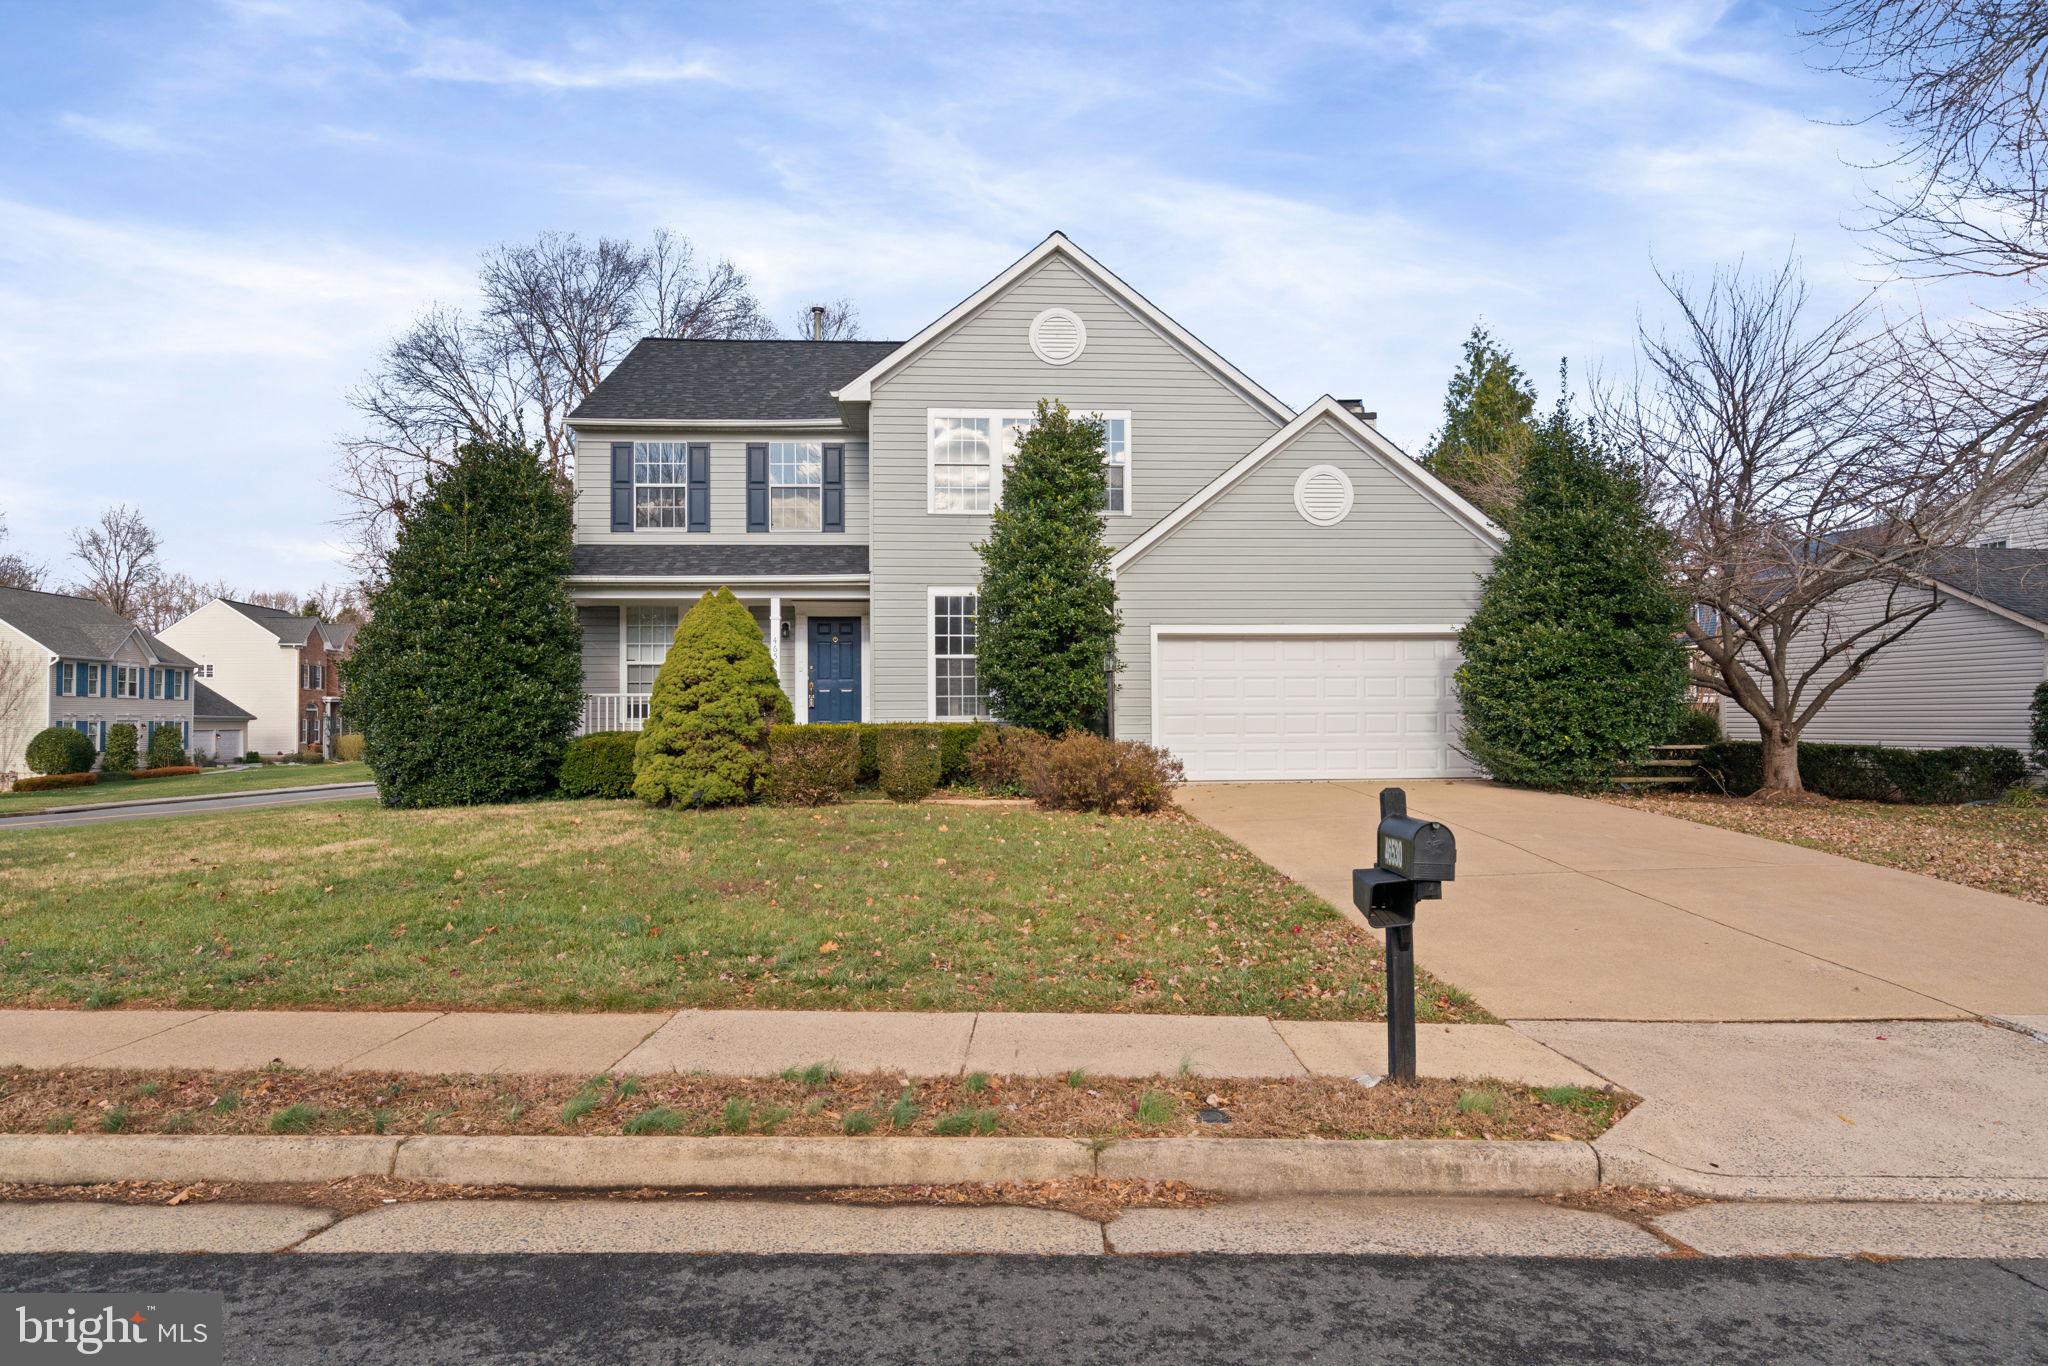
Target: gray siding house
<point>1291,582</point>
<point>70,661</point>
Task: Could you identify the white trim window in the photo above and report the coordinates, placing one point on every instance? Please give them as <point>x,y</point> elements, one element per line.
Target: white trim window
<point>661,484</point>
<point>956,693</point>
<point>969,451</point>
<point>645,636</point>
<point>128,681</point>
<point>796,485</point>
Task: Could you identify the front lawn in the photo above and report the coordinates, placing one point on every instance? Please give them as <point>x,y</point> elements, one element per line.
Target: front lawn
<point>1996,848</point>
<point>194,785</point>
<point>616,906</point>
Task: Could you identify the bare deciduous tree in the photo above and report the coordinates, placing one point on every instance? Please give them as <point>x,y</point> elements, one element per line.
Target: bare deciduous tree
<point>1810,471</point>
<point>172,597</point>
<point>119,555</point>
<point>16,572</point>
<point>556,315</point>
<point>836,321</point>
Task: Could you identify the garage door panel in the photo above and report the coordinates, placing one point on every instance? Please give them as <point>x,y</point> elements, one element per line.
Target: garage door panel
<point>1308,706</point>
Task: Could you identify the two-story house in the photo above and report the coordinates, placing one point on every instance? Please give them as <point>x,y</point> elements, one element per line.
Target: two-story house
<point>279,666</point>
<point>1291,583</point>
<point>71,661</point>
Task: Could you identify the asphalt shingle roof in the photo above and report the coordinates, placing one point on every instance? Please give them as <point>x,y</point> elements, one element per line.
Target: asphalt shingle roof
<point>212,706</point>
<point>2015,579</point>
<point>76,628</point>
<point>666,379</point>
<point>289,627</point>
<point>718,561</point>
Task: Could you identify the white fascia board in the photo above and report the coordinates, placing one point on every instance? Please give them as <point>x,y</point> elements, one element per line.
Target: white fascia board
<point>1345,421</point>
<point>1396,630</point>
<point>860,389</point>
<point>2018,618</point>
<point>716,580</point>
<point>757,424</point>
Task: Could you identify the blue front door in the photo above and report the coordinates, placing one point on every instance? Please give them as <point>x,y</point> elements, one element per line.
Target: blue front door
<point>835,668</point>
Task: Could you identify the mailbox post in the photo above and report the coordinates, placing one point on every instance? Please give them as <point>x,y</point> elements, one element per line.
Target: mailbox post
<point>1412,861</point>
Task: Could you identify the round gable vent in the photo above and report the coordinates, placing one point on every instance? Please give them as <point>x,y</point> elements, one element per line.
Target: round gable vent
<point>1058,336</point>
<point>1322,495</point>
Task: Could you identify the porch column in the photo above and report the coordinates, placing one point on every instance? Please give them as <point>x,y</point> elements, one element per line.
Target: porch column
<point>775,639</point>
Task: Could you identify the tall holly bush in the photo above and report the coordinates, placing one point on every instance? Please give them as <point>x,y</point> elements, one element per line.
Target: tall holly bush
<point>467,679</point>
<point>1572,661</point>
<point>1047,616</point>
<point>1487,425</point>
<point>706,738</point>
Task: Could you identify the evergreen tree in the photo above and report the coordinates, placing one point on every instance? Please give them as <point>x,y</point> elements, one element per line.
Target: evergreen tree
<point>1047,618</point>
<point>1572,662</point>
<point>1485,437</point>
<point>706,739</point>
<point>467,679</point>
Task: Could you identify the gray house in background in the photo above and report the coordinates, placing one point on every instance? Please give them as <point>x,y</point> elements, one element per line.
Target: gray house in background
<point>69,661</point>
<point>1291,582</point>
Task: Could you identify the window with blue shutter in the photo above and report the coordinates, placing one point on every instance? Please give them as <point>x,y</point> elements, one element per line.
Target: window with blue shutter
<point>757,487</point>
<point>835,488</point>
<point>63,679</point>
<point>700,488</point>
<point>622,486</point>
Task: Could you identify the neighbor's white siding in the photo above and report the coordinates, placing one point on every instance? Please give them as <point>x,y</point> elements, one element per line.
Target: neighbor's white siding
<point>1963,676</point>
<point>26,684</point>
<point>250,669</point>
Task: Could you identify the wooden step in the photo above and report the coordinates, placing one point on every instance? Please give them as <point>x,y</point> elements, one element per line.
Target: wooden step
<point>1639,780</point>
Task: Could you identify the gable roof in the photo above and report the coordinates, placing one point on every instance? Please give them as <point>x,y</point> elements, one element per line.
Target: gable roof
<point>665,379</point>
<point>860,388</point>
<point>1331,411</point>
<point>2010,581</point>
<point>211,705</point>
<point>289,627</point>
<point>75,627</point>
<point>339,635</point>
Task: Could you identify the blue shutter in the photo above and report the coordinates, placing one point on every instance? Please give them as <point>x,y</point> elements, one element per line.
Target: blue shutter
<point>622,486</point>
<point>757,487</point>
<point>835,488</point>
<point>700,488</point>
<point>79,685</point>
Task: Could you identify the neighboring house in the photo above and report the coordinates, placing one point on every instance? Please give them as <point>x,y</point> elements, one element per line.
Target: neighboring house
<point>1291,583</point>
<point>220,729</point>
<point>1964,675</point>
<point>278,665</point>
<point>69,661</point>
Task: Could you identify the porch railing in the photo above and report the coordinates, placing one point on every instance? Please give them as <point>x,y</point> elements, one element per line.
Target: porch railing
<point>613,711</point>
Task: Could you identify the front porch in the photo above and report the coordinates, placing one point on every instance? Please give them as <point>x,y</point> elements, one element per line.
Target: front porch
<point>819,638</point>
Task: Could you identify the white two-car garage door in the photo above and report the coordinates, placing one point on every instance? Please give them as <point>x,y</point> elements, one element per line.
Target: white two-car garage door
<point>1365,705</point>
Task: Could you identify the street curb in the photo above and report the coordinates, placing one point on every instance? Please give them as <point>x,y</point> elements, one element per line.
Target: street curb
<point>172,801</point>
<point>1243,1166</point>
<point>1623,1166</point>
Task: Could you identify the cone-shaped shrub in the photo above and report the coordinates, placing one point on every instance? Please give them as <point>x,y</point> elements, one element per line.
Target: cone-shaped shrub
<point>706,739</point>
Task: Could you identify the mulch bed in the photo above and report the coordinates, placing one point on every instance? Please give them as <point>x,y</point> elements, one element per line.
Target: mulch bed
<point>1091,1197</point>
<point>815,1104</point>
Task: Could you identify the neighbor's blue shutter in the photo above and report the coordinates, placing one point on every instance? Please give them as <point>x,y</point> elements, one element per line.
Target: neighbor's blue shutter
<point>757,487</point>
<point>622,486</point>
<point>835,488</point>
<point>700,488</point>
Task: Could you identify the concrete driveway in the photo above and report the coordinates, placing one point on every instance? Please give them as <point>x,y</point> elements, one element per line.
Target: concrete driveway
<point>1569,909</point>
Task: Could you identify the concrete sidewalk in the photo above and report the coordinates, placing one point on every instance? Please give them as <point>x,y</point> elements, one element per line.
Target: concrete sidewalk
<point>764,1043</point>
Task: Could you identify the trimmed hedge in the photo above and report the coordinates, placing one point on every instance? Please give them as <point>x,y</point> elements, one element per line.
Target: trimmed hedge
<point>60,750</point>
<point>956,741</point>
<point>1697,727</point>
<point>53,780</point>
<point>166,771</point>
<point>1082,771</point>
<point>909,760</point>
<point>1873,773</point>
<point>811,765</point>
<point>599,765</point>
<point>123,750</point>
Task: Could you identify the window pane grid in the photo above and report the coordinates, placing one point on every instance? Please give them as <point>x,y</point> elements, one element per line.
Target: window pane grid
<point>661,478</point>
<point>648,633</point>
<point>970,453</point>
<point>796,483</point>
<point>956,685</point>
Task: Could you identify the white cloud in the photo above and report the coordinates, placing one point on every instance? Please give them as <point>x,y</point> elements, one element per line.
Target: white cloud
<point>126,134</point>
<point>465,60</point>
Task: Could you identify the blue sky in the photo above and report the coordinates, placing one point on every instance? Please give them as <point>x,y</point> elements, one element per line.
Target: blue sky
<point>212,214</point>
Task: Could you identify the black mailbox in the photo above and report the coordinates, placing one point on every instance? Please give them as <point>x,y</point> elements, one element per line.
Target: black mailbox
<point>1413,860</point>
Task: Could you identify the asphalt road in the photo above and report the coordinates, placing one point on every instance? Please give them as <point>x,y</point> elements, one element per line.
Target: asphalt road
<point>338,1309</point>
<point>128,811</point>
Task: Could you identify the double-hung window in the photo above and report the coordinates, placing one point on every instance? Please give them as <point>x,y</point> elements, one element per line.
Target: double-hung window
<point>796,485</point>
<point>648,631</point>
<point>127,681</point>
<point>970,450</point>
<point>65,678</point>
<point>956,682</point>
<point>661,484</point>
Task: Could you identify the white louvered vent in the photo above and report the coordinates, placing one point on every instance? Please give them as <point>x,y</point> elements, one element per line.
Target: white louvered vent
<point>1322,495</point>
<point>1058,336</point>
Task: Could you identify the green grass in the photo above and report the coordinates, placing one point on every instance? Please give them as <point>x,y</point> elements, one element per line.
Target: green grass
<point>1155,1107</point>
<point>114,1120</point>
<point>225,1102</point>
<point>1077,1078</point>
<point>738,1116</point>
<point>963,1123</point>
<point>1585,1099</point>
<point>616,906</point>
<point>856,1123</point>
<point>659,1120</point>
<point>976,1083</point>
<point>1477,1102</point>
<point>196,785</point>
<point>295,1119</point>
<point>903,1111</point>
<point>817,1074</point>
